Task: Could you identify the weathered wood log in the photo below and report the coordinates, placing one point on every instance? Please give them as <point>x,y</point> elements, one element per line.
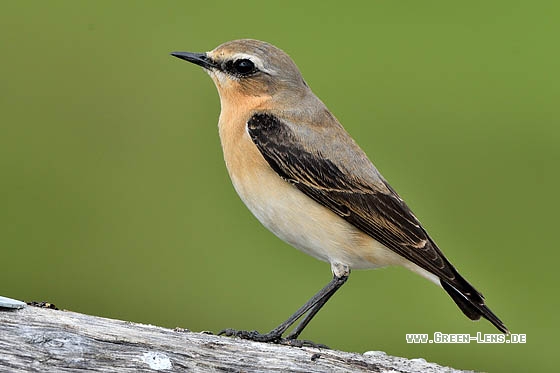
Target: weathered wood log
<point>47,340</point>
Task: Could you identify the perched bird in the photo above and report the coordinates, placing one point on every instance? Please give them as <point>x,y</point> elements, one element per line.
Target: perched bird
<point>306,180</point>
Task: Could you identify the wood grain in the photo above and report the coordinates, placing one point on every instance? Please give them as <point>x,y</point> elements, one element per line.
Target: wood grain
<point>36,339</point>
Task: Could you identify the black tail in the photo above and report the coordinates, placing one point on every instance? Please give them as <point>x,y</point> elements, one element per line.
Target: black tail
<point>471,302</point>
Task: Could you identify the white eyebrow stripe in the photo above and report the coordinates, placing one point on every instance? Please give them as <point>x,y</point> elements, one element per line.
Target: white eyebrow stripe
<point>256,60</point>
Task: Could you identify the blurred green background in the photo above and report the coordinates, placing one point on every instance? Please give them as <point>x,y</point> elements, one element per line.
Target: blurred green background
<point>115,200</point>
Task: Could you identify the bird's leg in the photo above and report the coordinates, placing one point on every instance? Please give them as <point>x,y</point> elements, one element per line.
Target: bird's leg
<point>312,306</point>
<point>313,311</point>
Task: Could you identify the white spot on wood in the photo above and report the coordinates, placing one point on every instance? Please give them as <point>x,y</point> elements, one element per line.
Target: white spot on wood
<point>157,360</point>
<point>11,303</point>
<point>375,353</point>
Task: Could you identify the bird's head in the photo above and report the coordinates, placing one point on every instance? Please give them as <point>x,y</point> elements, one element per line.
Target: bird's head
<point>250,68</point>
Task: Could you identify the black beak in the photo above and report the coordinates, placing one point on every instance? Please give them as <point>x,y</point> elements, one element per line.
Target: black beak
<point>197,58</point>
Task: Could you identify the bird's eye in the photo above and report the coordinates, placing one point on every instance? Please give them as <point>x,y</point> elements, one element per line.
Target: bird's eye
<point>243,67</point>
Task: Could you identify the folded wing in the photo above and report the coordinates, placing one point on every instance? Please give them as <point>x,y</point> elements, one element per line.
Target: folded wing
<point>330,168</point>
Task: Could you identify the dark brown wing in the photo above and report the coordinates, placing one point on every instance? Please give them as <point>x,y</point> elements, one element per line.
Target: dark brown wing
<point>370,205</point>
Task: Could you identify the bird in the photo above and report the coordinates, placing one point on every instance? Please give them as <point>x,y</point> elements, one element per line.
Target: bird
<point>305,179</point>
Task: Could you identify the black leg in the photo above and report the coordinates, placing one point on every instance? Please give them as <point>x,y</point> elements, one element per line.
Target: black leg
<point>313,311</point>
<point>312,306</point>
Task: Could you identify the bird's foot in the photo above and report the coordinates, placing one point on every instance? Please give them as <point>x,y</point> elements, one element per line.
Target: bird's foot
<point>301,343</point>
<point>251,335</point>
<point>271,337</point>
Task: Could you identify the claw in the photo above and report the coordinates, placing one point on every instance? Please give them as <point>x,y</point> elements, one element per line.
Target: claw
<point>254,335</point>
<point>251,335</point>
<point>228,332</point>
<point>302,343</point>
